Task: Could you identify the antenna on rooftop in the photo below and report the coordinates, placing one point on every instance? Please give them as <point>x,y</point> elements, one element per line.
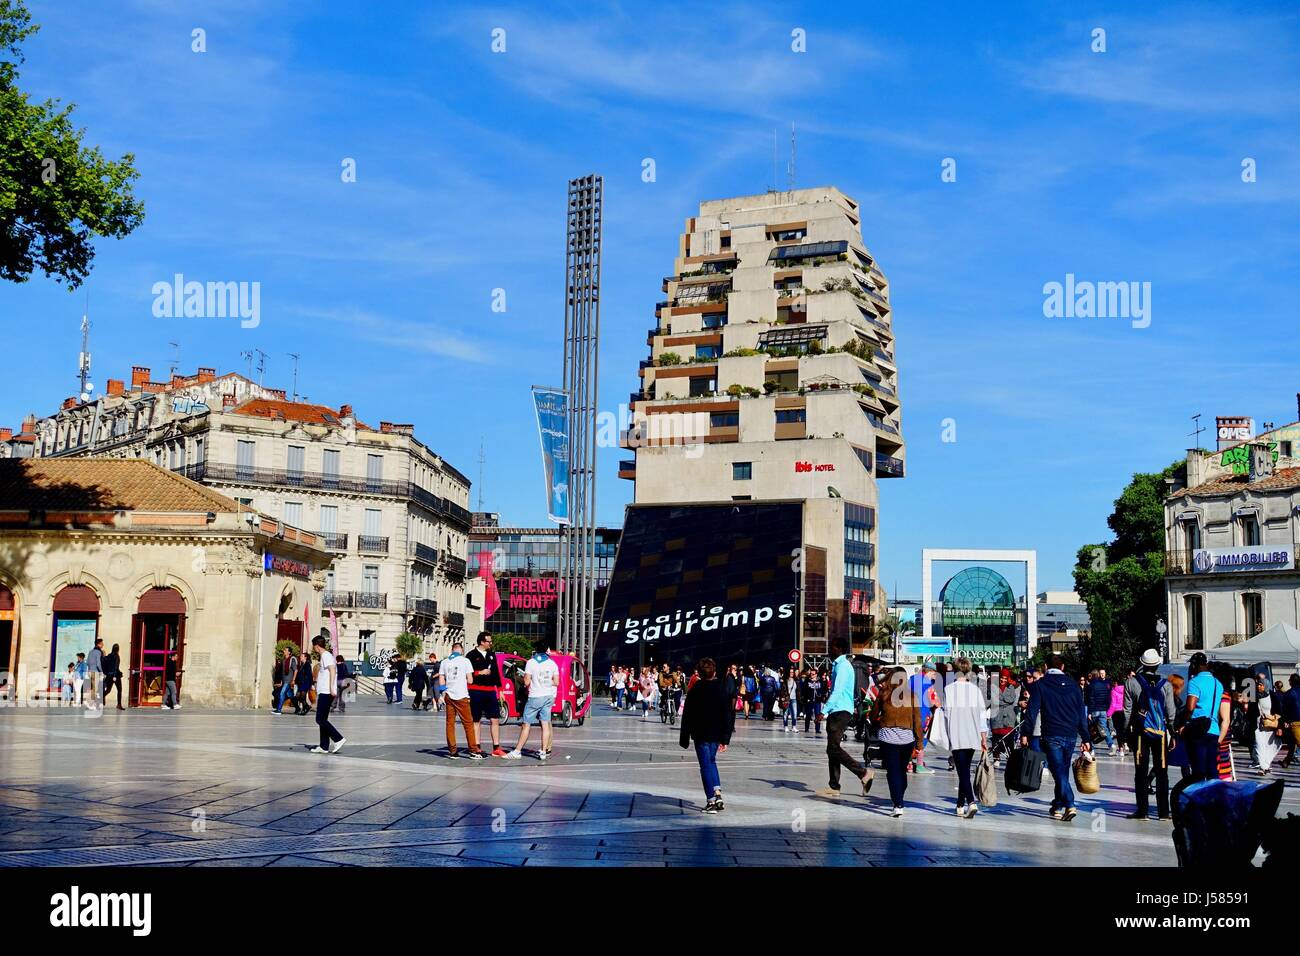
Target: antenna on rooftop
<point>1197,432</point>
<point>261,365</point>
<point>776,178</point>
<point>176,357</point>
<point>792,157</point>
<point>248,357</point>
<point>83,360</point>
<point>482,459</point>
<point>295,357</point>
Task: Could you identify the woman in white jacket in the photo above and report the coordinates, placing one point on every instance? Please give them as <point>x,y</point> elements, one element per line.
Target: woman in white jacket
<point>968,727</point>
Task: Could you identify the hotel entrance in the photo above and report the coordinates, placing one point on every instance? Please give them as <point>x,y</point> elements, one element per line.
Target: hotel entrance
<point>157,629</point>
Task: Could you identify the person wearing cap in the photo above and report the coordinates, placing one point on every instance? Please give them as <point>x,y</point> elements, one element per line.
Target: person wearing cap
<point>1149,709</point>
<point>1006,714</point>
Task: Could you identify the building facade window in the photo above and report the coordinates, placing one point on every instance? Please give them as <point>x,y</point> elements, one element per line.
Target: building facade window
<point>708,351</point>
<point>296,458</point>
<point>742,470</point>
<point>370,579</point>
<point>724,419</point>
<point>1252,606</point>
<point>374,471</point>
<point>330,468</point>
<point>1250,530</point>
<point>1192,534</point>
<point>293,513</point>
<point>245,458</point>
<point>791,416</point>
<point>329,519</point>
<point>1194,639</point>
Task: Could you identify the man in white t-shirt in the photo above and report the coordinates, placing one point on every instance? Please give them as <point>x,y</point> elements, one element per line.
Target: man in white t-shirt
<point>455,673</point>
<point>331,741</point>
<point>542,678</point>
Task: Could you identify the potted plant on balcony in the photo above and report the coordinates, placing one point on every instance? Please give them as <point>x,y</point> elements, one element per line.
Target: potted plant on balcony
<point>669,358</point>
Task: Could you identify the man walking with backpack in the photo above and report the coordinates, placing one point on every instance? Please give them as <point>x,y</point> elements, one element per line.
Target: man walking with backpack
<point>1149,709</point>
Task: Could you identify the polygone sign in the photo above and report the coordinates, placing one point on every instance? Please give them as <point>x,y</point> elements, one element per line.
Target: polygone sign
<point>534,594</point>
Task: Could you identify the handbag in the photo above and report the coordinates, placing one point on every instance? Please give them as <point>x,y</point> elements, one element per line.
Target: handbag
<point>986,781</point>
<point>1269,722</point>
<point>938,734</point>
<point>1086,777</point>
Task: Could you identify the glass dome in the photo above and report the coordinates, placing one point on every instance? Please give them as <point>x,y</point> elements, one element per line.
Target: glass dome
<point>977,597</point>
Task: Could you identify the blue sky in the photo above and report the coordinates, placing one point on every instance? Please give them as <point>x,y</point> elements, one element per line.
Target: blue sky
<point>1115,166</point>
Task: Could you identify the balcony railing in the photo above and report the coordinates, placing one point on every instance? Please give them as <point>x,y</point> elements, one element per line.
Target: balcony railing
<point>455,566</point>
<point>335,542</point>
<point>889,467</point>
<point>425,553</point>
<point>374,600</point>
<point>372,544</point>
<point>882,354</point>
<point>883,425</point>
<point>424,607</point>
<point>240,474</point>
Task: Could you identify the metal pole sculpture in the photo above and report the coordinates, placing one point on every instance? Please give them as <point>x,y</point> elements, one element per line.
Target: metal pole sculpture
<point>577,610</point>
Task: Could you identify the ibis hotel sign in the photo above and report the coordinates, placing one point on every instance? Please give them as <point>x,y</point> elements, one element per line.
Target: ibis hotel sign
<point>1259,558</point>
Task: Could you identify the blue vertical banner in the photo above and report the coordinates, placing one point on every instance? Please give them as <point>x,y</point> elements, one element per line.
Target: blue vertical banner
<point>553,428</point>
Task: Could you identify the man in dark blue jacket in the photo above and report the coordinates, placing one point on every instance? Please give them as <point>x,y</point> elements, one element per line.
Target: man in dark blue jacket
<point>1059,701</point>
<point>1099,705</point>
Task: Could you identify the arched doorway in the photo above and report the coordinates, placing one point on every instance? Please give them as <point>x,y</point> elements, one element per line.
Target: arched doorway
<point>286,629</point>
<point>157,631</point>
<point>8,644</point>
<point>76,625</point>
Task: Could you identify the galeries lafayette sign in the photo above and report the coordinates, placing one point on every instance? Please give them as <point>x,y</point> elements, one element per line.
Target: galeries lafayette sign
<point>1260,558</point>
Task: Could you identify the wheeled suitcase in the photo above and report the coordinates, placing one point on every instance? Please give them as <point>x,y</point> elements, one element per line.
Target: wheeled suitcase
<point>1024,770</point>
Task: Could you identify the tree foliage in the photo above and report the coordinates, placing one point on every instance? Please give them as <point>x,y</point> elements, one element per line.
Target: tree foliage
<point>56,194</point>
<point>510,643</point>
<point>410,646</point>
<point>1122,581</point>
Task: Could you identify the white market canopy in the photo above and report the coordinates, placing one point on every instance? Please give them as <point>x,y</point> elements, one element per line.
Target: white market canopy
<point>1280,644</point>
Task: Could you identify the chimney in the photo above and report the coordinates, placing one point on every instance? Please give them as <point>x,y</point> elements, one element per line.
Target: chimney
<point>139,376</point>
<point>227,401</point>
<point>29,425</point>
<point>115,386</point>
<point>6,434</point>
<point>278,393</point>
<point>69,403</point>
<point>345,411</point>
<point>1195,468</point>
<point>207,374</point>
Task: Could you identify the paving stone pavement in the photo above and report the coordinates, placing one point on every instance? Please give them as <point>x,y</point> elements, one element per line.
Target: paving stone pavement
<point>223,788</point>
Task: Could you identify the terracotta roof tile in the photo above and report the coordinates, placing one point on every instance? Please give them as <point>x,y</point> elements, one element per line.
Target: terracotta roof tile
<point>1284,479</point>
<point>102,484</point>
<point>291,411</point>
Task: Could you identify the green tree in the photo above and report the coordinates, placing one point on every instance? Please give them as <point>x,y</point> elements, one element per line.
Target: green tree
<point>410,646</point>
<point>513,644</point>
<point>1122,581</point>
<point>56,194</point>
